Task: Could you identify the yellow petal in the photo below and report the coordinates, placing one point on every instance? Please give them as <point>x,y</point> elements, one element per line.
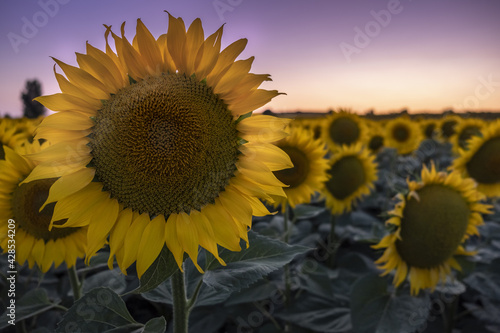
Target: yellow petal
<point>237,206</point>
<point>194,40</point>
<point>208,54</point>
<point>148,48</point>
<point>272,156</point>
<point>257,99</point>
<point>133,239</point>
<point>262,128</point>
<point>233,76</point>
<point>62,120</point>
<point>152,241</point>
<point>55,169</point>
<point>225,59</point>
<point>172,241</point>
<point>176,39</point>
<point>117,235</point>
<point>223,226</point>
<point>187,234</point>
<point>104,218</point>
<point>69,184</point>
<point>83,80</point>
<point>66,102</point>
<point>110,63</point>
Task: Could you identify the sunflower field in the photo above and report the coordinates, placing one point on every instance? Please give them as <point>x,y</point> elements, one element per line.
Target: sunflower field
<point>155,200</point>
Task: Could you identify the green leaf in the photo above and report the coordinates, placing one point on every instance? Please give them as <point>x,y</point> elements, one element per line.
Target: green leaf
<point>250,265</point>
<point>318,314</point>
<point>29,305</point>
<point>303,212</point>
<point>257,292</point>
<point>97,311</point>
<point>161,269</point>
<point>155,325</point>
<point>374,310</point>
<point>113,279</point>
<point>206,296</point>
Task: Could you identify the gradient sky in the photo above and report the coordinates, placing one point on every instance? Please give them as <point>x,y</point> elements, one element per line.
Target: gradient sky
<point>421,55</point>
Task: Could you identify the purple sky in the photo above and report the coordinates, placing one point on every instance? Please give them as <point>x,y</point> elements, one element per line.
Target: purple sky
<point>365,54</point>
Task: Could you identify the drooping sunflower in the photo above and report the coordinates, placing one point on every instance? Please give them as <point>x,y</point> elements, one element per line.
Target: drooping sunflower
<point>403,134</point>
<point>156,144</point>
<point>343,128</point>
<point>464,130</point>
<point>481,161</point>
<point>429,128</point>
<point>34,242</point>
<point>317,127</point>
<point>309,168</point>
<point>352,173</point>
<point>375,137</point>
<point>447,126</point>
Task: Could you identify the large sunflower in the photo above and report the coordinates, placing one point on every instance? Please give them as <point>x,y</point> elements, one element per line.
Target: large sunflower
<point>343,128</point>
<point>33,241</point>
<point>352,173</point>
<point>403,134</point>
<point>156,144</point>
<point>481,161</point>
<point>439,213</point>
<point>309,167</point>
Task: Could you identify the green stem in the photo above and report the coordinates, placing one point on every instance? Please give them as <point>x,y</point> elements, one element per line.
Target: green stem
<point>269,316</point>
<point>332,246</point>
<point>75,283</point>
<point>190,303</point>
<point>286,217</point>
<point>449,315</point>
<point>181,313</point>
<point>287,266</point>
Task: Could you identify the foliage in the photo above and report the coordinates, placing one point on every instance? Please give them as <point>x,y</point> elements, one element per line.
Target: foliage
<point>252,293</point>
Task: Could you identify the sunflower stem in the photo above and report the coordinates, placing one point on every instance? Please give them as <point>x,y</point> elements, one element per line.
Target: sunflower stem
<point>333,245</point>
<point>287,266</point>
<point>181,312</point>
<point>75,283</point>
<point>192,300</point>
<point>449,315</point>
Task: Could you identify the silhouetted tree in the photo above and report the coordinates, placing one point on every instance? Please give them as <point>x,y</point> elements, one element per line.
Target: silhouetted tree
<point>32,109</point>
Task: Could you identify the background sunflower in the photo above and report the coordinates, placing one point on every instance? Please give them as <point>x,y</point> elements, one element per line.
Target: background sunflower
<point>34,242</point>
<point>352,173</point>
<point>309,167</point>
<point>432,221</point>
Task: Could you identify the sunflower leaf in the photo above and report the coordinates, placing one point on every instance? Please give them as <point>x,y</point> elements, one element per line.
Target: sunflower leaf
<point>375,310</point>
<point>246,267</point>
<point>33,303</point>
<point>155,325</point>
<point>99,310</point>
<point>317,313</point>
<point>161,269</point>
